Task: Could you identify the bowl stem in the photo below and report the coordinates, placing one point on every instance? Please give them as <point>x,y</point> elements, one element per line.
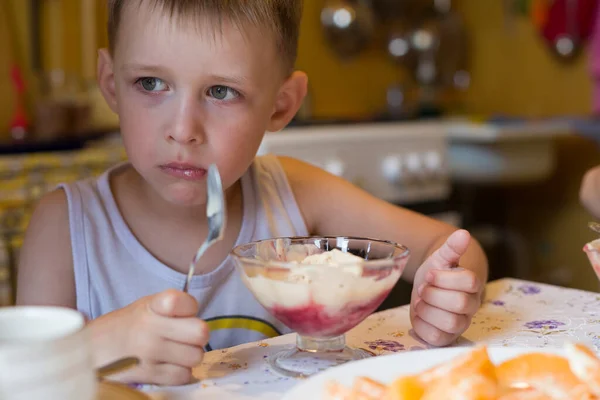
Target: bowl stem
<point>321,345</point>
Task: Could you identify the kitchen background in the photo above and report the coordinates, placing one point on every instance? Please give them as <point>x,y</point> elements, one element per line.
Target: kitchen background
<point>514,117</point>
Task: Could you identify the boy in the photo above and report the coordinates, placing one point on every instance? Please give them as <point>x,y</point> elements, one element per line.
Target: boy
<point>196,82</point>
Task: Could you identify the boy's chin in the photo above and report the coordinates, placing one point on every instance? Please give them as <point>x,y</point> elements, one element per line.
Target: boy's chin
<point>185,197</point>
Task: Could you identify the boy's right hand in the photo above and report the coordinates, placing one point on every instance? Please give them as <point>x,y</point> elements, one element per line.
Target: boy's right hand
<point>162,330</point>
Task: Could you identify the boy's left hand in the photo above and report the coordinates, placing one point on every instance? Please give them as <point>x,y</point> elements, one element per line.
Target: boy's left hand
<point>445,297</point>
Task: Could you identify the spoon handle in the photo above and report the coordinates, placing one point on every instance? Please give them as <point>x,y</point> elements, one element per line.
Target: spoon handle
<point>205,245</point>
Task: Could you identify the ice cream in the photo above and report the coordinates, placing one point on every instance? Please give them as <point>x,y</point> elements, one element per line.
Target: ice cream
<point>322,294</point>
<point>333,257</point>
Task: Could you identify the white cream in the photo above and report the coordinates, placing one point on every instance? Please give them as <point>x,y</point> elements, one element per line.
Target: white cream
<point>344,263</point>
<point>332,257</point>
<point>333,279</point>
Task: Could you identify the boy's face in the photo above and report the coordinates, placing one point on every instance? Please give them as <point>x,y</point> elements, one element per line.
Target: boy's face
<point>189,95</point>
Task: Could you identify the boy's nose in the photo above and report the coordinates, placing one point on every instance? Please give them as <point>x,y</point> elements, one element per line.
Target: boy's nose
<point>186,128</point>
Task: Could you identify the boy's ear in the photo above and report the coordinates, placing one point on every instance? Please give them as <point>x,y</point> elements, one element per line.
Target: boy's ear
<point>106,79</point>
<point>288,101</point>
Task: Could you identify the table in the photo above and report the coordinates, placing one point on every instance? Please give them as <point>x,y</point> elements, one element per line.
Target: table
<point>514,313</point>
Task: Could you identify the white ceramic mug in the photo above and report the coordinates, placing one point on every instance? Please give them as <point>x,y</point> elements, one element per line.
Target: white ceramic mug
<point>45,354</point>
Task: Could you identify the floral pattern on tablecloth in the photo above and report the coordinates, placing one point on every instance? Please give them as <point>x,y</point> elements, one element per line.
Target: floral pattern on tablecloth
<point>514,313</point>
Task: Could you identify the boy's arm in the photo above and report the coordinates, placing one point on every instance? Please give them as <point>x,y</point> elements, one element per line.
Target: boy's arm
<point>320,194</point>
<point>45,271</point>
<point>162,329</point>
<point>589,192</point>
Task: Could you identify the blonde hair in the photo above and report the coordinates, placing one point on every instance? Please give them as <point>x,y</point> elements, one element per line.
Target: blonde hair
<point>281,17</point>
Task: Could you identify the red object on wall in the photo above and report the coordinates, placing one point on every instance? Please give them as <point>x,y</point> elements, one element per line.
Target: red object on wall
<point>19,123</point>
<point>557,20</point>
<point>565,25</point>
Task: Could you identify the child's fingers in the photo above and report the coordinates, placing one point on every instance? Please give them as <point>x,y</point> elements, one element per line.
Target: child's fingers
<point>170,375</point>
<point>447,322</point>
<point>178,354</point>
<point>174,303</point>
<point>161,374</point>
<point>449,300</point>
<point>430,333</point>
<point>463,280</point>
<point>191,331</point>
<point>449,254</point>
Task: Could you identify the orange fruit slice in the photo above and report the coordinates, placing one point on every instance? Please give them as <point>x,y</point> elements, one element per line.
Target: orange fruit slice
<point>467,387</point>
<point>472,376</point>
<point>547,373</point>
<point>475,362</point>
<point>336,391</point>
<point>368,389</point>
<point>405,388</point>
<point>585,365</point>
<point>527,394</point>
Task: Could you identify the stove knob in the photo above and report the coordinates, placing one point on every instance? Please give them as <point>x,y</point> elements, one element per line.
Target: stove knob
<point>335,167</point>
<point>414,166</point>
<point>433,163</point>
<point>391,168</point>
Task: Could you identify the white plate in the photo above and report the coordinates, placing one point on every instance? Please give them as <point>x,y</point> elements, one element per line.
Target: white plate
<point>387,368</point>
<point>115,391</point>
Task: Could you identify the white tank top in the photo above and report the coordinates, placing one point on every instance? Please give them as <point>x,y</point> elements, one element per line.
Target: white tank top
<point>112,268</point>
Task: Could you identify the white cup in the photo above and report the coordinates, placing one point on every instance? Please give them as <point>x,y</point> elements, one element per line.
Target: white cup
<point>45,354</point>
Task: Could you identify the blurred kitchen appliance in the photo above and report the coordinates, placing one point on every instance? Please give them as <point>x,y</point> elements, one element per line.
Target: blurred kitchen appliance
<point>404,163</point>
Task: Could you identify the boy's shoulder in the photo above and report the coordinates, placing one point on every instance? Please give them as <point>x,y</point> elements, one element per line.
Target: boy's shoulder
<point>294,171</point>
<point>302,174</point>
<point>92,180</point>
<point>90,194</point>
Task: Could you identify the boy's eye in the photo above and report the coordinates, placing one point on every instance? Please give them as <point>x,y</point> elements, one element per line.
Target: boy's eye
<point>220,92</point>
<point>150,84</point>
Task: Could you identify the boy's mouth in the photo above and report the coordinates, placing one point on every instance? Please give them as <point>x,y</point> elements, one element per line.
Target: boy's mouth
<point>184,171</point>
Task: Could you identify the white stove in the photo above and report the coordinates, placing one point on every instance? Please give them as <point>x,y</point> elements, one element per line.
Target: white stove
<point>400,162</point>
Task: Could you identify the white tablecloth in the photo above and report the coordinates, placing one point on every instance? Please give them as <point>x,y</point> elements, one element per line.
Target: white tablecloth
<point>515,313</point>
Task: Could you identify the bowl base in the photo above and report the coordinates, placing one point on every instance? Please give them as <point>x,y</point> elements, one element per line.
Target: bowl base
<point>295,363</point>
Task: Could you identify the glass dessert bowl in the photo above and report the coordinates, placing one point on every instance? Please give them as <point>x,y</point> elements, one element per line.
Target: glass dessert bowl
<point>320,287</point>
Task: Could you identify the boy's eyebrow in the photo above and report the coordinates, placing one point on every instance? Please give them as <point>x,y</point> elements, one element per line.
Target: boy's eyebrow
<point>234,79</point>
<point>143,67</point>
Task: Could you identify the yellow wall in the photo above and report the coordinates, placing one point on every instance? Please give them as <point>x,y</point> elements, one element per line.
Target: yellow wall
<point>512,71</point>
<point>342,88</point>
<point>6,90</point>
<point>71,63</point>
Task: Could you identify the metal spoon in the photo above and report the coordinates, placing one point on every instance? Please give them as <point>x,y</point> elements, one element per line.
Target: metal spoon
<point>114,367</point>
<point>215,212</point>
<point>595,226</point>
